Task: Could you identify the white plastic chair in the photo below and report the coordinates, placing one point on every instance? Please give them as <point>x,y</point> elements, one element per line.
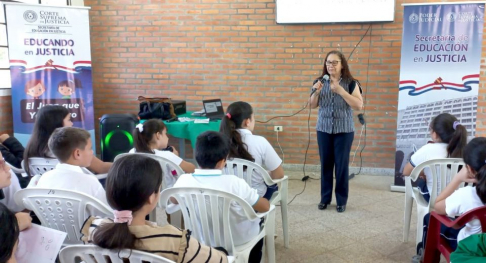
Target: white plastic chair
<point>207,214</point>
<point>169,179</point>
<point>62,210</point>
<point>17,170</point>
<point>168,168</point>
<point>37,167</point>
<point>443,170</point>
<point>244,169</point>
<point>95,254</point>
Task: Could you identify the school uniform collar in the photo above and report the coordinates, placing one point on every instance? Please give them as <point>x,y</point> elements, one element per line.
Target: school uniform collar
<point>207,172</point>
<point>245,131</point>
<point>69,167</point>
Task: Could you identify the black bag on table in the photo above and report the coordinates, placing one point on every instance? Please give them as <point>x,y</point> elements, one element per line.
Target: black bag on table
<point>155,108</point>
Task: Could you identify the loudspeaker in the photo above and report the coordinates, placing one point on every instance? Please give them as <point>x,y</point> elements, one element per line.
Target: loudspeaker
<point>116,134</point>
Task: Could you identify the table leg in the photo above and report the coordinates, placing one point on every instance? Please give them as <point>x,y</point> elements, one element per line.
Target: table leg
<point>182,148</point>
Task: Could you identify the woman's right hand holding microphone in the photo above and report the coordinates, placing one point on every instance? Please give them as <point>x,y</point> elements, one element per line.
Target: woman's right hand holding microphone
<point>318,86</point>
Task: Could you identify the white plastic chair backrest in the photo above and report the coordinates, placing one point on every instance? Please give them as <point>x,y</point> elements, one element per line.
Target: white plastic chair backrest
<point>95,254</point>
<point>207,213</point>
<point>38,166</point>
<point>245,170</point>
<point>442,170</point>
<point>171,171</point>
<point>63,210</point>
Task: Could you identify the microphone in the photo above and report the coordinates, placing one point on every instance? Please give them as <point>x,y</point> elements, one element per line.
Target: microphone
<point>324,78</point>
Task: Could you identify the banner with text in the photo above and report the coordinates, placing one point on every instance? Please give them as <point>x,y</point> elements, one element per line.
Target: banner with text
<point>50,63</point>
<point>439,72</point>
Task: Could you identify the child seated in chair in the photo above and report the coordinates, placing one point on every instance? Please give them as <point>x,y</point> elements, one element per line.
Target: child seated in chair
<point>47,120</point>
<point>72,147</point>
<point>455,202</point>
<point>9,235</point>
<point>133,189</point>
<point>449,139</point>
<point>8,187</point>
<point>151,137</point>
<point>212,149</point>
<point>13,153</point>
<point>238,125</point>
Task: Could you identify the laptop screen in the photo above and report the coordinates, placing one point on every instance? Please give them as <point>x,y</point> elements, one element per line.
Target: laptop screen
<point>213,107</point>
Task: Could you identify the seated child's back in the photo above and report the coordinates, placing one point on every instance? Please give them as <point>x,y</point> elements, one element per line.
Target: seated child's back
<point>212,148</point>
<point>72,147</point>
<point>133,188</point>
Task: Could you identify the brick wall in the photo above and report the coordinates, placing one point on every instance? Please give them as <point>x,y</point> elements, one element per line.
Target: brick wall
<point>234,50</point>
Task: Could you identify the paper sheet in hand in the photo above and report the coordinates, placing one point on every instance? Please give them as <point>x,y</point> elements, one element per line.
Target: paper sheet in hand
<point>39,244</point>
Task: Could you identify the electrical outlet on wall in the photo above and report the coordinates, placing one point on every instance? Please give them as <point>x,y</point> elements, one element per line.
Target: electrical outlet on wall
<point>278,128</point>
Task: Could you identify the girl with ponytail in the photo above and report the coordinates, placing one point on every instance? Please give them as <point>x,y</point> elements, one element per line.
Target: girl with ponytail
<point>453,203</point>
<point>449,139</point>
<point>133,189</point>
<point>238,125</point>
<point>151,137</point>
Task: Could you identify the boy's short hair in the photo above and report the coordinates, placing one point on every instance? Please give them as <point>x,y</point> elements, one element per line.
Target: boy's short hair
<point>211,147</point>
<point>64,141</point>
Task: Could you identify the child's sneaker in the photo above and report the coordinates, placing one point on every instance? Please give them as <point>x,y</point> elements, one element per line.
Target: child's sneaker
<point>420,254</point>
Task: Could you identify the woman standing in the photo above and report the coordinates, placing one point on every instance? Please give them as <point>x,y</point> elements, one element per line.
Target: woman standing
<point>336,96</point>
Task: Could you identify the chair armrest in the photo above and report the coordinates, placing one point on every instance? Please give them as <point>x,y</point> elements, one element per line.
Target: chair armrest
<point>443,219</point>
<point>172,208</point>
<point>477,213</point>
<point>270,181</point>
<point>264,214</point>
<point>16,170</point>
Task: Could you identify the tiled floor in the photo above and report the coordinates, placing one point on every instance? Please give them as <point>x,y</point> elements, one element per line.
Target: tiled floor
<point>369,231</point>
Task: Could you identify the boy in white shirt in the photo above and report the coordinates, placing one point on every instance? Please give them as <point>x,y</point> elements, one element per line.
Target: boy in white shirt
<point>212,148</point>
<point>72,147</point>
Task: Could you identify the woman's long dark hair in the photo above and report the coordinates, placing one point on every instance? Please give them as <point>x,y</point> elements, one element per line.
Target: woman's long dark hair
<point>475,157</point>
<point>239,112</point>
<point>131,181</point>
<point>456,139</point>
<point>9,233</point>
<point>47,120</point>
<point>345,72</point>
<point>141,140</point>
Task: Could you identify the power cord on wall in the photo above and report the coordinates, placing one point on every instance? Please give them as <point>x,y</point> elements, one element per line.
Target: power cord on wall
<point>361,116</point>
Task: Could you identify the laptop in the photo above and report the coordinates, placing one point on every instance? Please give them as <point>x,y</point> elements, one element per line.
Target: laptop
<point>214,109</point>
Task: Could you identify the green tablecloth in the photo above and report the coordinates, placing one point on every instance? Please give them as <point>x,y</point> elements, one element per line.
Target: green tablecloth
<point>190,130</point>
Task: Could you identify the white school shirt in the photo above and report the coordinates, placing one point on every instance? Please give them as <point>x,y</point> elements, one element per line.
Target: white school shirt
<point>9,193</point>
<point>428,152</point>
<point>242,229</point>
<point>72,177</point>
<point>264,155</point>
<point>461,201</point>
<point>166,154</point>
